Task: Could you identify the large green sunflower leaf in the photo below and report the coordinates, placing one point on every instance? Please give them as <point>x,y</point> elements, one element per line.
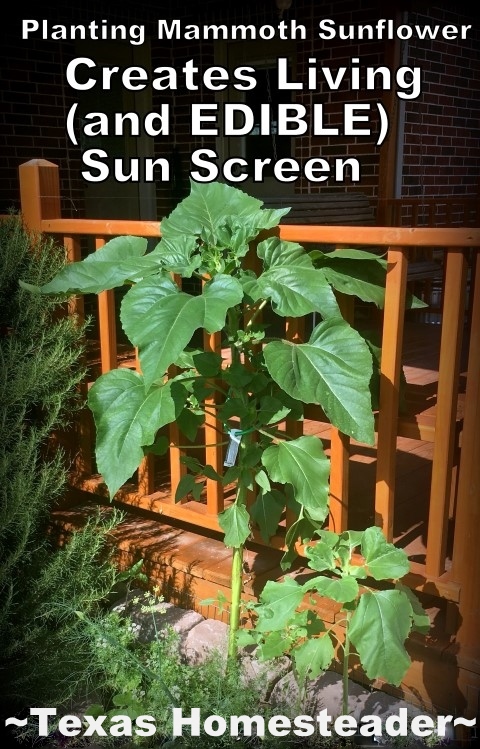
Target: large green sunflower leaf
<point>127,417</point>
<point>334,370</point>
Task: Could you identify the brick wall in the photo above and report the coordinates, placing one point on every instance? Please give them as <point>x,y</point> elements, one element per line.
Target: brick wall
<point>308,14</point>
<point>33,102</point>
<point>441,130</point>
<point>35,98</point>
<point>337,53</point>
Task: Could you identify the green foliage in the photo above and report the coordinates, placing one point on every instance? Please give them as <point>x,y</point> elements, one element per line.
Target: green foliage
<point>377,622</point>
<point>333,368</point>
<point>302,464</point>
<point>264,381</point>
<point>47,661</point>
<point>158,305</point>
<point>128,417</point>
<point>39,371</point>
<point>207,237</point>
<point>294,286</point>
<point>121,260</point>
<point>149,678</point>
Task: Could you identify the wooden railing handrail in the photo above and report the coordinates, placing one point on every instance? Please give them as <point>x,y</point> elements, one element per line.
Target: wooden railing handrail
<point>101,227</point>
<point>366,235</point>
<point>384,235</point>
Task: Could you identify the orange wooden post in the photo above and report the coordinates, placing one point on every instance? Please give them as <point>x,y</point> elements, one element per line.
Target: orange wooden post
<point>177,468</point>
<point>84,423</point>
<point>295,332</point>
<point>175,452</point>
<point>449,371</point>
<point>213,436</point>
<point>340,454</point>
<point>392,342</point>
<point>40,200</point>
<point>146,469</point>
<point>107,324</point>
<point>39,192</point>
<point>466,550</point>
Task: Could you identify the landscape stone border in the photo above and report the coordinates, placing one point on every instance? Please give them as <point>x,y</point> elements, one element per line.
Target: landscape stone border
<point>199,637</point>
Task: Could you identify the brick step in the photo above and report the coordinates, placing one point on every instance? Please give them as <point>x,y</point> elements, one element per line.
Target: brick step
<point>188,566</point>
<point>193,572</point>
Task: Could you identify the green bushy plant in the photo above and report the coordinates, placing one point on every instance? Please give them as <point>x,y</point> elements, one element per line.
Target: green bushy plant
<point>151,677</point>
<point>263,381</point>
<point>376,622</point>
<point>39,372</point>
<point>47,661</point>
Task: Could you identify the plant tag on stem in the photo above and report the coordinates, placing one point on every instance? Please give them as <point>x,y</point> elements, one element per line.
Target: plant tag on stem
<point>235,436</point>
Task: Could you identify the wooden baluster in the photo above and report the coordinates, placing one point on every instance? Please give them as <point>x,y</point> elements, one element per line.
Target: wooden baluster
<point>84,431</point>
<point>146,476</point>
<point>449,370</point>
<point>107,324</point>
<point>466,549</point>
<point>213,435</point>
<point>340,453</point>
<point>392,342</point>
<point>294,332</point>
<point>146,469</point>
<point>175,453</point>
<point>76,305</point>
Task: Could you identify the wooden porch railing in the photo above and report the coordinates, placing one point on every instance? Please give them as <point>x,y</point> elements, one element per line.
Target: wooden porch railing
<point>434,212</point>
<point>460,584</point>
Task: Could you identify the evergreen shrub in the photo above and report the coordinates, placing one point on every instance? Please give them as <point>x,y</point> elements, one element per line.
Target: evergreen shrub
<point>41,659</point>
